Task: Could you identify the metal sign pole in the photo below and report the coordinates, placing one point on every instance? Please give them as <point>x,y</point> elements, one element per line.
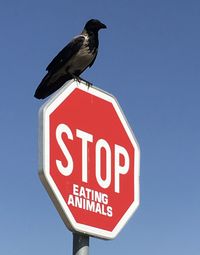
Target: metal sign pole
<point>80,244</point>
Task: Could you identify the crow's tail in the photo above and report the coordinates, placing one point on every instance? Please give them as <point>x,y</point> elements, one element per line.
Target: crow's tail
<point>49,84</point>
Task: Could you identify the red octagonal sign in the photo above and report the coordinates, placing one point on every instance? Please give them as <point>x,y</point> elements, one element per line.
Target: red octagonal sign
<point>89,160</point>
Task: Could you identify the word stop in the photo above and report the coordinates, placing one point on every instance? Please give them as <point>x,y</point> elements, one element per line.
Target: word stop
<point>86,138</point>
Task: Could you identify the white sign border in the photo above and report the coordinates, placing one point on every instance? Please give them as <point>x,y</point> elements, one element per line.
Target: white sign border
<point>44,113</point>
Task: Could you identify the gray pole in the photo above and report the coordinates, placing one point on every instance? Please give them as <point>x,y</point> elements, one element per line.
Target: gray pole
<point>80,244</point>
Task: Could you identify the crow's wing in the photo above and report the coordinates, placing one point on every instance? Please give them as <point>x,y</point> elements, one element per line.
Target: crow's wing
<point>93,59</point>
<point>66,53</point>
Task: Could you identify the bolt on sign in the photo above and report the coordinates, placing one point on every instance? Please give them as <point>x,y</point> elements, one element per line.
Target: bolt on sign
<point>89,160</point>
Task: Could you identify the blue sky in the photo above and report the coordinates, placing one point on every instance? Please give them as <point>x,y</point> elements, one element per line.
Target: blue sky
<point>149,60</point>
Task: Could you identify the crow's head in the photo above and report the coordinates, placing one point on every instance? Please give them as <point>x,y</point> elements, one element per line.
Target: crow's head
<point>94,25</point>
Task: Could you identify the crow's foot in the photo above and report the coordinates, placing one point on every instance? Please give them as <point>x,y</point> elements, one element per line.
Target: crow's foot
<point>76,78</point>
<point>89,84</point>
<point>79,79</point>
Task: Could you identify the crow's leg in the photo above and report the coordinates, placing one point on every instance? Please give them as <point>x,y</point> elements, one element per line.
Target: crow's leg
<point>89,84</point>
<point>79,79</point>
<point>76,78</point>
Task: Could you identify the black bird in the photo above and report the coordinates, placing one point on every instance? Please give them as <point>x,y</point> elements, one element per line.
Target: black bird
<point>72,60</point>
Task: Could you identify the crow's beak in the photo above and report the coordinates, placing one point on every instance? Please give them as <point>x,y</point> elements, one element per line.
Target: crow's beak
<point>102,26</point>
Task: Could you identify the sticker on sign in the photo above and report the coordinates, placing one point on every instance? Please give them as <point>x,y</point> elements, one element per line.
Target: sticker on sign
<point>89,160</point>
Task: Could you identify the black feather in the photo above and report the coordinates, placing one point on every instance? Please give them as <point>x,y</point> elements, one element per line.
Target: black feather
<point>65,54</point>
<point>49,86</point>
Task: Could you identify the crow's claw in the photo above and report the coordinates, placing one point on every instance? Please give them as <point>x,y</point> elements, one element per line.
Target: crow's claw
<point>79,79</point>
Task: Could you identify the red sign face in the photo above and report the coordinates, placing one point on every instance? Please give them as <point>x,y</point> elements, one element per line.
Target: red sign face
<point>90,163</point>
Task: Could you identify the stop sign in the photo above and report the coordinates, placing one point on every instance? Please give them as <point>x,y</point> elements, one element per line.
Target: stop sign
<point>89,160</point>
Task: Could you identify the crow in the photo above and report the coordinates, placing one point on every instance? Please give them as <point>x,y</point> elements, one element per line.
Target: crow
<point>72,60</point>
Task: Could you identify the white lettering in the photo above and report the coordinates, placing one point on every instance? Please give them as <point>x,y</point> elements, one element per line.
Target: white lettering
<point>90,200</point>
<point>70,200</point>
<point>109,211</point>
<point>86,137</point>
<point>101,148</point>
<point>102,144</point>
<point>75,189</point>
<point>60,130</point>
<point>119,150</point>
